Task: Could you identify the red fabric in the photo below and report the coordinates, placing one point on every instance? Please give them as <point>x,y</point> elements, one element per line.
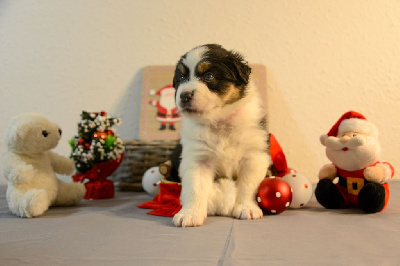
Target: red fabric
<point>350,114</point>
<point>277,156</point>
<point>167,202</point>
<point>98,186</point>
<point>99,189</point>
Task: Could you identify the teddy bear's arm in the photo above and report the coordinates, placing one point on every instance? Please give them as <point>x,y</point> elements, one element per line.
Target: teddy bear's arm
<point>61,164</point>
<point>16,170</point>
<point>328,171</point>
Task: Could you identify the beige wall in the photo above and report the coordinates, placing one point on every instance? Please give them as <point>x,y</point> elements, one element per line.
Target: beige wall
<point>323,58</point>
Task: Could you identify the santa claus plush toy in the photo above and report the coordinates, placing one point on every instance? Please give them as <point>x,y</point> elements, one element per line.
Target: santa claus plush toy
<point>167,113</point>
<point>353,148</point>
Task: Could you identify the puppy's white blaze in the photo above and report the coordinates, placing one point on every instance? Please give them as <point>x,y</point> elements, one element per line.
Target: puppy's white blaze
<point>193,58</point>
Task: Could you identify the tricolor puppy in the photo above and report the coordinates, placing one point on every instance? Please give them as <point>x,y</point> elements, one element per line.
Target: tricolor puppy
<point>223,136</point>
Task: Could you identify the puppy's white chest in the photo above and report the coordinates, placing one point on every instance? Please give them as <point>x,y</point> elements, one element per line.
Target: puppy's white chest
<point>226,155</point>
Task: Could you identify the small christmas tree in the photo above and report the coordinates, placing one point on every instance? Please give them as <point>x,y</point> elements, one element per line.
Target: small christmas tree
<point>97,152</point>
<point>96,141</point>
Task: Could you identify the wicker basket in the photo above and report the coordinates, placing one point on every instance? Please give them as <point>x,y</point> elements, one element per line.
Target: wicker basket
<point>140,156</point>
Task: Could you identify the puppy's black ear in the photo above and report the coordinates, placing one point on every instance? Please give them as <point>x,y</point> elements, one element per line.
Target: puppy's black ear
<point>173,82</point>
<point>241,67</point>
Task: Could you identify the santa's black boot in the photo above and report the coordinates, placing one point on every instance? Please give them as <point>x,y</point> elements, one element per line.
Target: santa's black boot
<point>328,195</point>
<point>372,197</point>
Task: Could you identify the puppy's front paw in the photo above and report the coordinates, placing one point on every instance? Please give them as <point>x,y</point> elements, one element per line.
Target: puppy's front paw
<point>189,218</point>
<point>247,211</point>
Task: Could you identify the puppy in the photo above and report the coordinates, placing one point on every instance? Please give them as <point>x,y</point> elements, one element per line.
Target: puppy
<point>223,136</point>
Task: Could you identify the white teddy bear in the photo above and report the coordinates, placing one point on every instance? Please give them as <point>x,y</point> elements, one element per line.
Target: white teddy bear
<point>29,166</point>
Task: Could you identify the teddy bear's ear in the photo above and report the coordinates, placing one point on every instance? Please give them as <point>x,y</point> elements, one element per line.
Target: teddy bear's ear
<point>22,132</point>
<point>14,134</point>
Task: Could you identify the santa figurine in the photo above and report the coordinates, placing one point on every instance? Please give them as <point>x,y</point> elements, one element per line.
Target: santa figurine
<point>353,148</point>
<point>167,113</point>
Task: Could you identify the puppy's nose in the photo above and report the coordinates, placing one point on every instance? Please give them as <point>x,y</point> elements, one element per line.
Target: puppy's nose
<point>186,96</point>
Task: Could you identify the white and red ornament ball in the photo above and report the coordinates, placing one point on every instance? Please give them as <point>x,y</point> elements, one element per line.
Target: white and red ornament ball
<point>274,195</point>
<point>151,180</point>
<point>301,189</point>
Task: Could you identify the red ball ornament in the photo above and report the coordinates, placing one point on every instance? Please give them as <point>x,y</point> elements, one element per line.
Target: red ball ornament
<point>274,195</point>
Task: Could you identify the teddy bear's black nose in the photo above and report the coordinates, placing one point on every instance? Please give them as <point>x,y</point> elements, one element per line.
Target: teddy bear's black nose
<point>60,131</point>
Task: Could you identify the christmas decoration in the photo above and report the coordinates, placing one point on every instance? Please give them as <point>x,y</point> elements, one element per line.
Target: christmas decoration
<point>301,186</point>
<point>301,189</point>
<point>151,180</point>
<point>97,152</point>
<point>274,195</point>
<point>165,203</point>
<point>279,166</point>
<point>155,182</point>
<point>353,148</point>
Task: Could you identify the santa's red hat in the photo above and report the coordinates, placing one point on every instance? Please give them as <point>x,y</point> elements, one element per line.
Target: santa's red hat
<point>351,122</point>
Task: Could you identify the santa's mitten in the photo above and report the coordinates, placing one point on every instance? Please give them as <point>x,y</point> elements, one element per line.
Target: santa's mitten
<point>379,173</point>
<point>328,171</point>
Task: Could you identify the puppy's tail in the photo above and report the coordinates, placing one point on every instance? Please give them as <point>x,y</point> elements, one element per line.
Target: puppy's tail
<point>222,198</point>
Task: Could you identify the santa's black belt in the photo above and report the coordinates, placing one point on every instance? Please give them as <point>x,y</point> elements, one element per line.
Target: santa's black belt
<point>165,115</point>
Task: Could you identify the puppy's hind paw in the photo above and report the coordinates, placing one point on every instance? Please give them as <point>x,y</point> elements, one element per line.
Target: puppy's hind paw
<point>188,219</point>
<point>247,212</point>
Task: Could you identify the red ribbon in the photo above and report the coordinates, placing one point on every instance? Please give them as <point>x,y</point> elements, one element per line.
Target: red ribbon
<point>277,156</point>
<point>167,202</point>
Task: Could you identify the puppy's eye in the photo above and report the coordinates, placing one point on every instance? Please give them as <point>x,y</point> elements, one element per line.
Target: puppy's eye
<point>209,76</point>
<point>45,133</point>
<point>181,78</point>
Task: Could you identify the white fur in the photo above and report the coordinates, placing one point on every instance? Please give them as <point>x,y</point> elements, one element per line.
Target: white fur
<point>224,141</point>
<point>29,166</point>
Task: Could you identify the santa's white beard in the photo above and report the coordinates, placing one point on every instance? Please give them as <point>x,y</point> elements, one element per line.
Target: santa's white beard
<point>357,158</point>
<point>167,102</point>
